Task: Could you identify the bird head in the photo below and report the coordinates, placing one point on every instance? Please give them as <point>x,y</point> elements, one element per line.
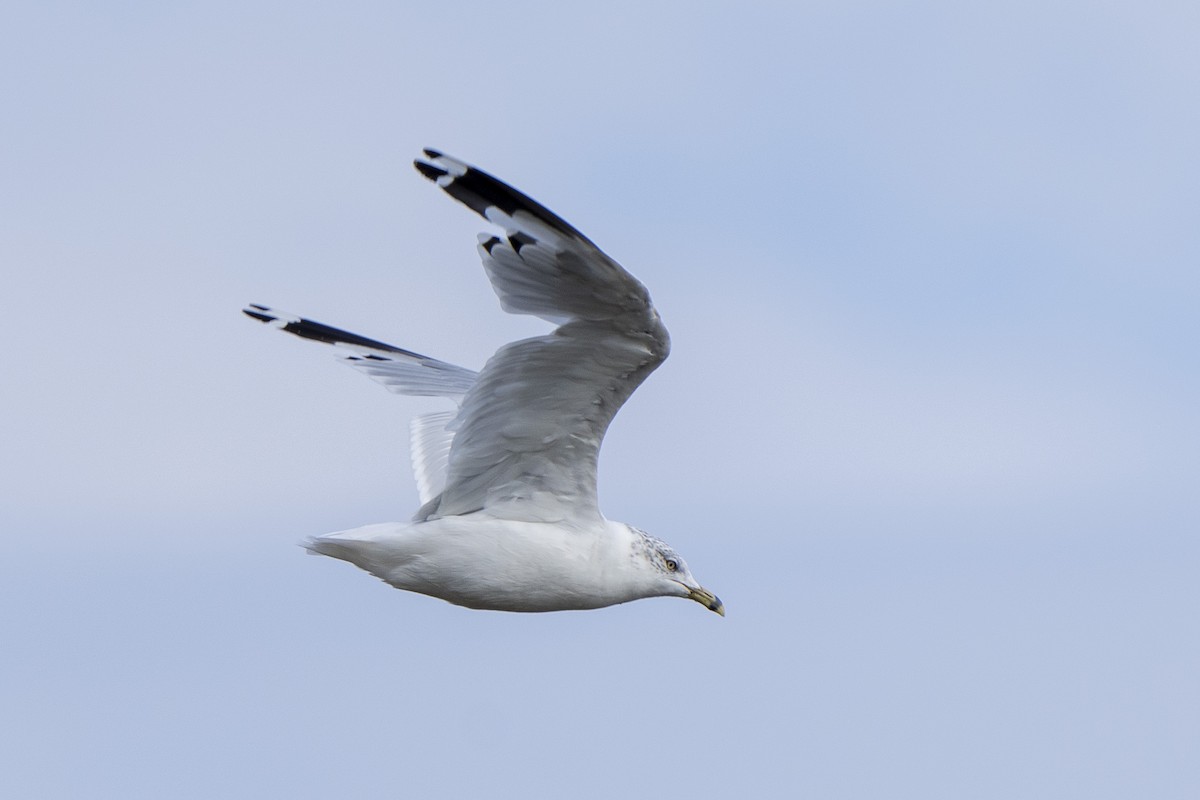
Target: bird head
<point>669,573</point>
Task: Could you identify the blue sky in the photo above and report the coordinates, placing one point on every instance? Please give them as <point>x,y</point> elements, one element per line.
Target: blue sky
<point>929,426</point>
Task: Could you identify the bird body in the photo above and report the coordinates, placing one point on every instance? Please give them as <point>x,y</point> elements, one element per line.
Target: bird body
<point>509,517</point>
<point>481,561</point>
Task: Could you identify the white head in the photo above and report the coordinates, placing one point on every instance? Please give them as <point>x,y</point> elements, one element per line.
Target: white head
<point>667,574</point>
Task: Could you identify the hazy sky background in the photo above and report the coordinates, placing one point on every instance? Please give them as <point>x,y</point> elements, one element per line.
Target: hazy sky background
<point>930,427</point>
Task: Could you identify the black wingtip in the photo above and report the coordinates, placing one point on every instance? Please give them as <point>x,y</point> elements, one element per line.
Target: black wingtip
<point>519,240</point>
<point>319,332</point>
<point>429,170</point>
<point>431,153</point>
<point>255,313</point>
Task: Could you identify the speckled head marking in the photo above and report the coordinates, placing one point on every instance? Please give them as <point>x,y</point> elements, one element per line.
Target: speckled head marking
<point>658,553</point>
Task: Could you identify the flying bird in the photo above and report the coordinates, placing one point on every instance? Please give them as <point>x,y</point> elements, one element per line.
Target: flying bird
<point>509,518</point>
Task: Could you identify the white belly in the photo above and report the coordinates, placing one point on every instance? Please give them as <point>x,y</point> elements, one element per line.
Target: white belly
<point>482,562</point>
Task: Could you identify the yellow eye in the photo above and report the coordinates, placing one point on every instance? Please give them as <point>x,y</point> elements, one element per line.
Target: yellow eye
<point>672,565</point>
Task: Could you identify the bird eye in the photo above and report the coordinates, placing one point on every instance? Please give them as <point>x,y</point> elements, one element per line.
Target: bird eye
<point>672,564</point>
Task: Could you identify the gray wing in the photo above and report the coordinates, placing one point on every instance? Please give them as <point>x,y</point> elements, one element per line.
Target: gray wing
<point>400,371</point>
<point>528,435</point>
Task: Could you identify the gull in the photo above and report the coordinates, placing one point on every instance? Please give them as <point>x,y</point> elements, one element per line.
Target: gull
<point>509,518</point>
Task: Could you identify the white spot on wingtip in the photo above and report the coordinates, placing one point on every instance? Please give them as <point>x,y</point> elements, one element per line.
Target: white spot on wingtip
<point>453,166</point>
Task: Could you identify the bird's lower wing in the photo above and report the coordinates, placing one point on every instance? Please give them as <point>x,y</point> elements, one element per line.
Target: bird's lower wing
<point>400,371</point>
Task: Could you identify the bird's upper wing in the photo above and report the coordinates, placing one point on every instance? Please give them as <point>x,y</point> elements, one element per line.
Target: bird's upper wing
<point>528,434</point>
